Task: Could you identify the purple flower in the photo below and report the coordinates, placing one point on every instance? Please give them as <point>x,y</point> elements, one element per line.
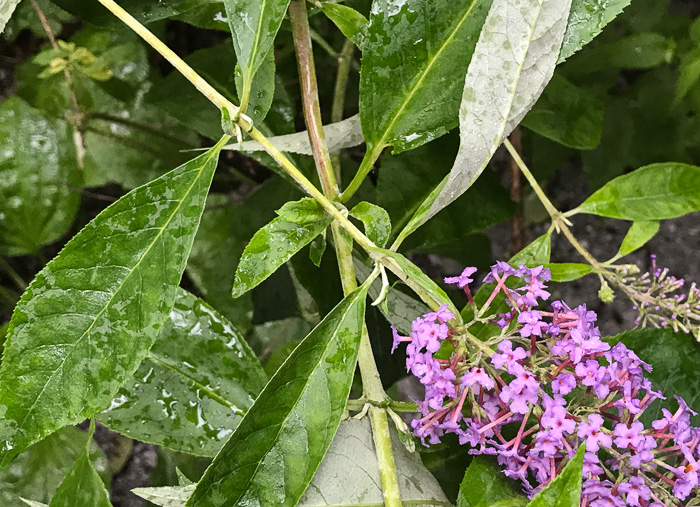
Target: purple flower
<point>686,477</point>
<point>462,280</point>
<point>593,434</point>
<point>628,435</point>
<point>508,355</point>
<point>643,454</point>
<point>500,268</point>
<point>564,383</point>
<point>442,315</point>
<point>428,334</point>
<point>554,416</point>
<point>634,489</point>
<point>628,401</point>
<point>477,375</point>
<point>533,323</point>
<point>518,394</point>
<point>397,338</point>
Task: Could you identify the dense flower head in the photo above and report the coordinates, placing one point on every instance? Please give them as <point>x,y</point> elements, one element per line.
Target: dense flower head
<point>551,385</point>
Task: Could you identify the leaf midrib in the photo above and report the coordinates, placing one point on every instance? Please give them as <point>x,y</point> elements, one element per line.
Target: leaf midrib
<point>121,284</point>
<point>284,421</point>
<point>422,75</point>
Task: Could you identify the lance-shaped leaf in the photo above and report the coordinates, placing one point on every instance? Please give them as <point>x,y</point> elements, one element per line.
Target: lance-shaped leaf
<point>273,454</point>
<point>90,316</point>
<point>278,241</point>
<point>167,496</point>
<point>349,21</point>
<point>6,10</point>
<point>512,63</point>
<point>262,89</point>
<point>414,56</point>
<point>196,383</point>
<point>343,134</point>
<point>565,489</point>
<point>637,236</point>
<point>376,221</point>
<point>586,20</point>
<point>568,272</point>
<point>653,192</point>
<point>82,485</point>
<point>254,25</point>
<point>484,484</point>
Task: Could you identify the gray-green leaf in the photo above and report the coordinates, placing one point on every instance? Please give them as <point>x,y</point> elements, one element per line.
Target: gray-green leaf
<point>37,169</point>
<point>637,236</point>
<point>38,471</point>
<point>565,489</point>
<point>376,221</point>
<point>484,484</point>
<point>275,244</point>
<point>196,383</point>
<point>415,55</point>
<point>254,25</point>
<point>168,496</point>
<point>653,192</point>
<point>512,63</point>
<point>6,10</point>
<point>290,426</point>
<point>90,316</point>
<point>262,89</point>
<point>350,22</point>
<point>586,20</point>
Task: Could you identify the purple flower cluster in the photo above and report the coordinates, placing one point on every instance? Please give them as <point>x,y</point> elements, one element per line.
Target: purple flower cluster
<point>551,386</point>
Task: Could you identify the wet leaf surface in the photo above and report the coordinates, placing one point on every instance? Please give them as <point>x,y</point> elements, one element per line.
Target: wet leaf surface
<point>290,426</point>
<point>194,386</point>
<point>89,317</point>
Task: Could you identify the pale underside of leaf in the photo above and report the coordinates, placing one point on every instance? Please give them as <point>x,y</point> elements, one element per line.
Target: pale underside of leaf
<point>7,7</point>
<point>513,61</point>
<point>340,135</point>
<point>96,314</point>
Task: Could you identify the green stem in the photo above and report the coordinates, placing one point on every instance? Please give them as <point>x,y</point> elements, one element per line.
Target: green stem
<point>365,168</point>
<point>7,268</point>
<point>385,457</point>
<point>341,86</point>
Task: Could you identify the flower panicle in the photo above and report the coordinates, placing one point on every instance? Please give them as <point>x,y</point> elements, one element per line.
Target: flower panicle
<point>552,385</point>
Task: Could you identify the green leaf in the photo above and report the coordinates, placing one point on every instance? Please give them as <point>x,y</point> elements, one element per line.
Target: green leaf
<point>273,245</point>
<point>637,51</point>
<point>674,361</point>
<point>568,115</point>
<point>350,22</point>
<point>302,212</point>
<point>568,272</point>
<point>197,381</point>
<point>254,25</point>
<point>653,192</point>
<point>38,471</point>
<point>37,169</point>
<point>6,10</point>
<point>689,74</point>
<point>262,89</point>
<point>167,496</point>
<point>586,20</point>
<point>512,63</point>
<point>145,12</point>
<point>344,134</point>
<point>317,249</point>
<point>484,484</point>
<point>90,316</point>
<point>82,485</point>
<point>290,426</point>
<point>565,489</point>
<point>415,55</point>
<point>637,236</point>
<point>376,221</point>
<point>535,254</point>
<point>349,474</point>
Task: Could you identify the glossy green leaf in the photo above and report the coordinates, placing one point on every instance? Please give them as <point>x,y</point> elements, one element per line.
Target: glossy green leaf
<point>674,361</point>
<point>586,20</point>
<point>568,115</point>
<point>484,485</point>
<point>196,383</point>
<point>414,57</point>
<point>254,25</point>
<point>317,249</point>
<point>273,245</point>
<point>376,221</point>
<point>90,316</point>
<point>262,89</point>
<point>536,253</point>
<point>349,473</point>
<point>344,134</point>
<point>37,169</point>
<point>6,10</point>
<point>512,63</point>
<point>37,472</point>
<point>302,212</point>
<point>637,236</point>
<point>568,272</point>
<point>653,192</point>
<point>290,426</point>
<point>82,485</point>
<point>565,489</point>
<point>144,11</point>
<point>350,22</point>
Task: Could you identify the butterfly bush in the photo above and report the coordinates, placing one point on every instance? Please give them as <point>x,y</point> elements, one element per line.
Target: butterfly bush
<point>550,386</point>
